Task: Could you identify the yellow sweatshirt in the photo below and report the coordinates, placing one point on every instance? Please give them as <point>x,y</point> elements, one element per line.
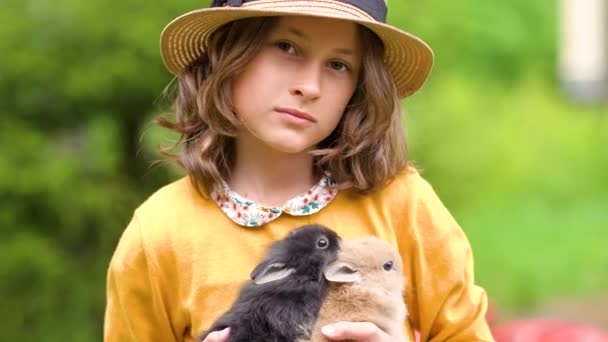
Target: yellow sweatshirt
<point>181,261</point>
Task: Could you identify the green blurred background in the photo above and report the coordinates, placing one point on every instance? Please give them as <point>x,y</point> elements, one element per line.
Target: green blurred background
<point>523,168</point>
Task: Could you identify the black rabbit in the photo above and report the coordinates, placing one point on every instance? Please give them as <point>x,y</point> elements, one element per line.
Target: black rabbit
<point>282,300</point>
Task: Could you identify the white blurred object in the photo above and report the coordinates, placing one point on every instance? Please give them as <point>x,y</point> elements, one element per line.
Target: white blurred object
<point>584,49</point>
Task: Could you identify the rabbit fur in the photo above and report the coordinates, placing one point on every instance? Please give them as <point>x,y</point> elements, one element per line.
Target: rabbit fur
<point>366,284</point>
<point>282,300</point>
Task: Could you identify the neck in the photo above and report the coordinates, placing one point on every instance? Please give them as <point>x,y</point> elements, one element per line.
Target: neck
<point>270,177</point>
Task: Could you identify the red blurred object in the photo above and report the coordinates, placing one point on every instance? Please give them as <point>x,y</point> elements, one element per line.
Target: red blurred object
<point>547,330</point>
<point>492,313</point>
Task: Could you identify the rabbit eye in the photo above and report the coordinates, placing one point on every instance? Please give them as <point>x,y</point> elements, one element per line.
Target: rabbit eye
<point>388,266</point>
<point>322,243</point>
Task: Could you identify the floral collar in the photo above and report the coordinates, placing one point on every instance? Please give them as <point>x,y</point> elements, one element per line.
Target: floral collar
<point>249,214</point>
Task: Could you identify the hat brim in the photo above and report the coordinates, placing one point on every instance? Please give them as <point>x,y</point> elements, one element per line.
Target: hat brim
<point>408,58</point>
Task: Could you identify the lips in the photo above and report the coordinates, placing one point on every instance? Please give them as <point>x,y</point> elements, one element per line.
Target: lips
<point>296,113</point>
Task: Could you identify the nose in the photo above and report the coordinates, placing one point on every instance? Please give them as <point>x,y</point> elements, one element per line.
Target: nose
<point>307,82</point>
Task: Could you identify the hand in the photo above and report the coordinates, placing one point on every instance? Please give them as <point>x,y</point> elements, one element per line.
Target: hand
<point>356,331</point>
<point>218,336</point>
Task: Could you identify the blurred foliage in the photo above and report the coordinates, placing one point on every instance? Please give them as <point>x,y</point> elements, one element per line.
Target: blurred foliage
<point>522,168</point>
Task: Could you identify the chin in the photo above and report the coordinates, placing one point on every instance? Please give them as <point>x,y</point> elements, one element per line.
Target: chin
<point>292,147</point>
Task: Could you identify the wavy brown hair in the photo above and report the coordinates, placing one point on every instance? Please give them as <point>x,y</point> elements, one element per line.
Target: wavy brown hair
<point>366,149</point>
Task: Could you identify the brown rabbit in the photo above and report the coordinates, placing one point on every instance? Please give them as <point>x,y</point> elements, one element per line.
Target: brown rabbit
<point>366,283</point>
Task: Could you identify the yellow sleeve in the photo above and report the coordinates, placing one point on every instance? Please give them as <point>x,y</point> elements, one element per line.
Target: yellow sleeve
<point>446,303</point>
<point>134,308</point>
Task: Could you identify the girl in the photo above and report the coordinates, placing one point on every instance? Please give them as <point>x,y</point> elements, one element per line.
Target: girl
<point>289,114</point>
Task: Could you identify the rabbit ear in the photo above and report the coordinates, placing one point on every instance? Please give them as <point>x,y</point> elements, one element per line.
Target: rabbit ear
<point>272,272</point>
<point>342,272</point>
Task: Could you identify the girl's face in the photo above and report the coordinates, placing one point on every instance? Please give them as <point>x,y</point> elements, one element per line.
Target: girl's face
<point>293,93</point>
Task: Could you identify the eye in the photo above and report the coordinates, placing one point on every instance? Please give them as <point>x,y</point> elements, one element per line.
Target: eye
<point>388,266</point>
<point>286,47</point>
<point>338,66</point>
<point>322,243</point>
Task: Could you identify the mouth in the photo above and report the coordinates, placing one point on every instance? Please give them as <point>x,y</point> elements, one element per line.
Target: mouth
<point>296,114</point>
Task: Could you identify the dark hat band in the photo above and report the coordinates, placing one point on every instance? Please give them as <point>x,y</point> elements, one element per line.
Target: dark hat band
<point>374,8</point>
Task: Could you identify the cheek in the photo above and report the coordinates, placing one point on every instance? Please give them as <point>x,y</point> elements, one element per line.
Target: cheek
<point>247,92</point>
<point>237,96</point>
<point>248,97</point>
<point>240,92</point>
<point>336,107</point>
<point>341,93</point>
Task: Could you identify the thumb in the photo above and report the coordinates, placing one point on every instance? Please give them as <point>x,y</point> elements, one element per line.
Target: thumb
<point>218,336</point>
<point>351,330</point>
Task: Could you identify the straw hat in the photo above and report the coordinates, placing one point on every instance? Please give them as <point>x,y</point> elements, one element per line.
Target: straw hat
<point>407,57</point>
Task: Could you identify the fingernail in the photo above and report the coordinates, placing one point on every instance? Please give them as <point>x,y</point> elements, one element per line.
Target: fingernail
<point>328,330</point>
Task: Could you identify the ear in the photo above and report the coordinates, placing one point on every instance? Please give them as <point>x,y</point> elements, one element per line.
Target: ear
<point>342,272</point>
<point>272,272</point>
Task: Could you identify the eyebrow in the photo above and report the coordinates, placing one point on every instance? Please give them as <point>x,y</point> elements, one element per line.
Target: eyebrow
<point>303,36</point>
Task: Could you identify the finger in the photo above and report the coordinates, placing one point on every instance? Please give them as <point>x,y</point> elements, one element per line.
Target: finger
<point>351,330</point>
<point>218,336</point>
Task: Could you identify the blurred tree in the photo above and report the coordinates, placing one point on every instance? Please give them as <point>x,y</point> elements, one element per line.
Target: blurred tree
<point>78,81</point>
<point>490,40</point>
